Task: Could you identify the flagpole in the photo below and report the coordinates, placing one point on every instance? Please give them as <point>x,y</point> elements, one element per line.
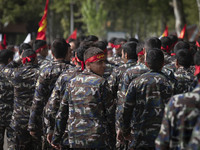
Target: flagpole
<point>71,17</point>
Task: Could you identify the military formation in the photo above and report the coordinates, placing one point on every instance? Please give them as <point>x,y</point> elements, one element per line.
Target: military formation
<point>101,95</point>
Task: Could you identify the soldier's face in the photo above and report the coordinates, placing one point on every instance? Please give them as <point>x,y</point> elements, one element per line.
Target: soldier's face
<point>98,67</point>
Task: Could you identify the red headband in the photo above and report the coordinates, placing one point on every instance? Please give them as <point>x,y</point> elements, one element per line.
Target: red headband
<point>173,54</point>
<point>95,58</point>
<point>167,48</point>
<point>39,49</point>
<point>82,63</point>
<point>28,59</point>
<point>197,70</point>
<point>140,53</point>
<point>111,44</point>
<point>197,44</point>
<point>117,46</point>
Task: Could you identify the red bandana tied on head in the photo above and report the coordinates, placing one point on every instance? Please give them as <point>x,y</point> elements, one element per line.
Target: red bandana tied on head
<point>82,63</point>
<point>197,70</point>
<point>39,49</point>
<point>96,58</point>
<point>28,59</point>
<point>167,48</point>
<point>197,44</point>
<point>173,54</point>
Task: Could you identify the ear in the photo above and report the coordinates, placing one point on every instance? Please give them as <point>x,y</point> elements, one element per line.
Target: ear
<point>177,64</point>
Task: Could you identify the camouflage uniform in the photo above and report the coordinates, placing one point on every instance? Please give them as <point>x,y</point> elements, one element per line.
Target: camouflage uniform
<point>45,84</point>
<point>185,78</point>
<point>143,109</point>
<point>117,60</point>
<point>194,143</point>
<point>180,117</point>
<point>89,104</point>
<point>23,79</point>
<point>108,69</point>
<point>42,61</point>
<point>56,97</point>
<point>6,108</point>
<point>167,58</point>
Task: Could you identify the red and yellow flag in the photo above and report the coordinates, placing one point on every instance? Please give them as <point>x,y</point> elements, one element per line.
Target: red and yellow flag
<point>41,35</point>
<point>72,36</point>
<point>182,34</point>
<point>165,33</point>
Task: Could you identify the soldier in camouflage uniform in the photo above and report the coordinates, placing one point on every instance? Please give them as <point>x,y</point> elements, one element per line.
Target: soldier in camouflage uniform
<point>116,59</point>
<point>45,84</point>
<point>180,117</point>
<point>184,74</point>
<point>58,92</point>
<point>23,79</point>
<point>6,100</point>
<point>144,105</point>
<point>166,48</point>
<point>41,49</point>
<point>15,64</point>
<point>87,107</point>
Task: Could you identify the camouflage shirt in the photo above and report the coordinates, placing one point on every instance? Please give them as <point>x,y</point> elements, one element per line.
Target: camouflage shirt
<point>6,99</point>
<point>185,78</point>
<point>87,110</point>
<point>44,86</point>
<point>143,108</point>
<point>108,69</point>
<point>42,61</point>
<point>24,80</point>
<point>117,60</point>
<point>180,117</point>
<point>56,96</point>
<point>195,138</point>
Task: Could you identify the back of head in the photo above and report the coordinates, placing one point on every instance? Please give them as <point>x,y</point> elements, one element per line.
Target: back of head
<point>92,51</point>
<point>5,55</point>
<point>140,47</point>
<point>184,58</point>
<point>112,40</point>
<point>130,49</point>
<point>38,44</point>
<point>24,46</point>
<point>119,41</point>
<point>80,52</point>
<point>166,44</point>
<point>59,48</point>
<point>174,39</point>
<point>181,45</point>
<point>100,44</point>
<point>151,43</point>
<point>92,38</point>
<point>155,59</point>
<point>133,40</point>
<point>29,55</point>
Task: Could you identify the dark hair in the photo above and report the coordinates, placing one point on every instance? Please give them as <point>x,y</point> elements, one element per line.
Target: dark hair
<point>184,58</point>
<point>112,40</point>
<point>173,38</point>
<point>23,47</point>
<point>130,49</point>
<point>151,43</point>
<point>119,41</point>
<point>133,39</point>
<point>197,58</point>
<point>181,45</point>
<point>80,52</point>
<point>86,43</point>
<point>92,51</point>
<point>10,47</point>
<point>100,44</point>
<point>29,52</point>
<point>155,59</point>
<point>38,44</point>
<point>166,41</point>
<point>59,48</point>
<point>5,55</point>
<point>140,47</point>
<point>92,38</point>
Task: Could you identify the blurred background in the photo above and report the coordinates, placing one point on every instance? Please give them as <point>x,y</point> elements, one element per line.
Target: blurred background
<point>103,18</point>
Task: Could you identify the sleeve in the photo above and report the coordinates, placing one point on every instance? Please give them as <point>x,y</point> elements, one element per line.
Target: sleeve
<point>61,119</point>
<point>53,104</point>
<point>125,115</point>
<point>163,139</point>
<point>39,101</point>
